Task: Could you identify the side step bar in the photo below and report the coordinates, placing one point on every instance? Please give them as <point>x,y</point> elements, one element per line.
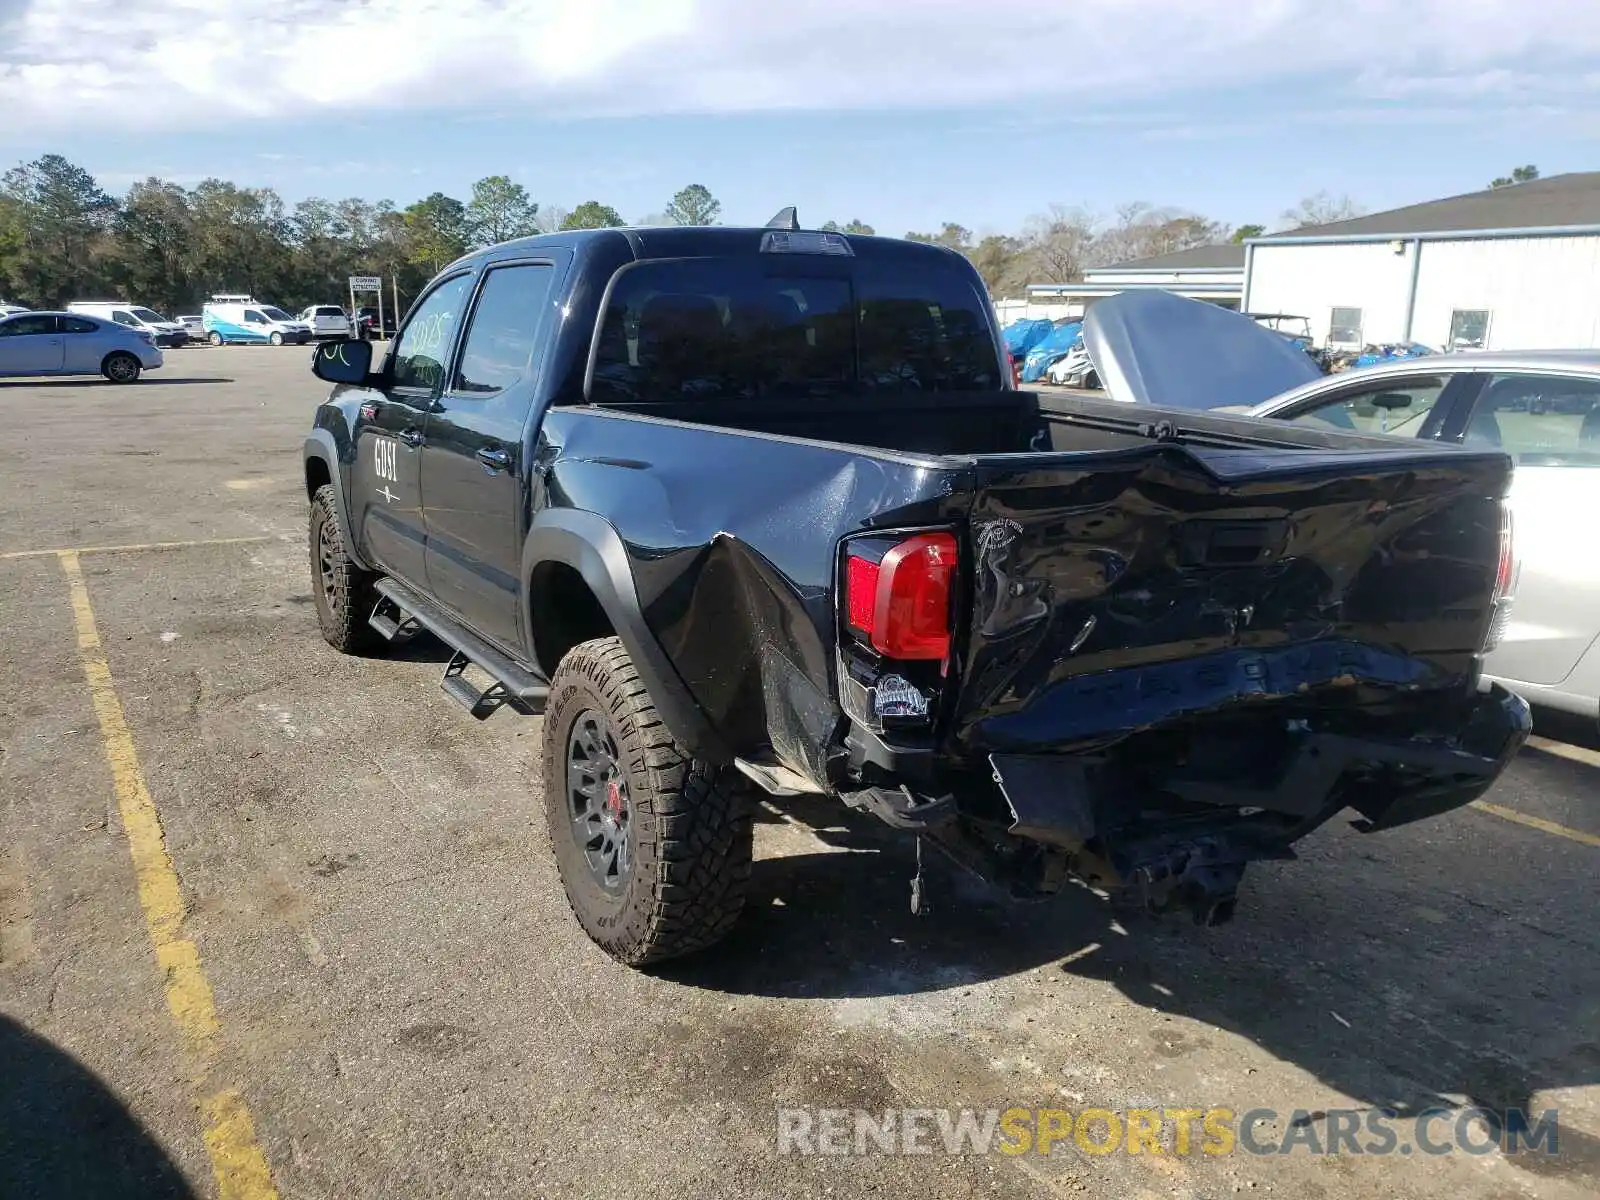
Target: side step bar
<point>400,613</point>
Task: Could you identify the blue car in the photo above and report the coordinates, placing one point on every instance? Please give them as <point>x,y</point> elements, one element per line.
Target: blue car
<point>62,343</point>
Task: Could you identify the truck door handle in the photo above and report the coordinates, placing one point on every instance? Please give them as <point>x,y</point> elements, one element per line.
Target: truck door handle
<point>495,458</point>
<point>411,437</point>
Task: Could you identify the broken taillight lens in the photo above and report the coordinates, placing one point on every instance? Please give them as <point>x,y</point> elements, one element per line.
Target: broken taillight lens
<point>900,605</point>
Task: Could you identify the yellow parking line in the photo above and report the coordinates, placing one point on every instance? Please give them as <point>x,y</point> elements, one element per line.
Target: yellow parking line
<point>238,541</point>
<point>237,1159</point>
<point>1577,754</point>
<point>1539,823</point>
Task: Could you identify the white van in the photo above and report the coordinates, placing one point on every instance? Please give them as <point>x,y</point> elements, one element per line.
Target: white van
<point>230,319</point>
<point>165,333</point>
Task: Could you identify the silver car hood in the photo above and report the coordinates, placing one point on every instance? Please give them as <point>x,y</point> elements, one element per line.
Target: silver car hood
<point>1158,348</point>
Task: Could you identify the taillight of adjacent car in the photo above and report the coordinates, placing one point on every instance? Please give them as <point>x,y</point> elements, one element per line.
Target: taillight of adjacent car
<point>897,605</point>
<point>1505,583</point>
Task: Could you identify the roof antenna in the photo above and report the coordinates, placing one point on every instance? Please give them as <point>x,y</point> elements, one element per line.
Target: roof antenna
<point>787,218</point>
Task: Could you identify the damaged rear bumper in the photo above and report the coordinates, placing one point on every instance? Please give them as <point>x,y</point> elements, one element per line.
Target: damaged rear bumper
<point>1390,782</point>
<point>1182,839</point>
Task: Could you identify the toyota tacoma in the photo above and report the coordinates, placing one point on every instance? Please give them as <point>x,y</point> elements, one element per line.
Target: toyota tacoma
<point>761,511</point>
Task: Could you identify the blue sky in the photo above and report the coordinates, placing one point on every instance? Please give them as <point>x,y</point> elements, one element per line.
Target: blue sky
<point>905,113</point>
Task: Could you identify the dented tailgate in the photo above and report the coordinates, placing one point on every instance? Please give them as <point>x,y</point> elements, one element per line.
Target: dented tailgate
<point>1172,581</point>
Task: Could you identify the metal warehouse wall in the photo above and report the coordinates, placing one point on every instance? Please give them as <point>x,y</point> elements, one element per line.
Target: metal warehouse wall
<point>1310,281</point>
<point>1541,293</point>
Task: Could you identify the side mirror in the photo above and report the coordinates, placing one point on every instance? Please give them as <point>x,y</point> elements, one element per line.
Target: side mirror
<point>347,361</point>
<point>1392,400</point>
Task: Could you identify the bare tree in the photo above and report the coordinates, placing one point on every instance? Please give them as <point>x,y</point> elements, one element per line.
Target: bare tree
<point>1058,244</point>
<point>1322,209</point>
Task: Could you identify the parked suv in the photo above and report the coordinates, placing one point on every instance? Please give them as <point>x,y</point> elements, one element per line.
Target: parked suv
<point>326,321</point>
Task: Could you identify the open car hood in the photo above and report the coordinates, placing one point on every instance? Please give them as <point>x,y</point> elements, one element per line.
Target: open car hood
<point>1159,348</point>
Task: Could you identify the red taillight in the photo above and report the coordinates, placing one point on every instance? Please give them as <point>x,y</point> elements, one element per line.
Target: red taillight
<point>861,593</point>
<point>902,604</point>
<point>1016,371</point>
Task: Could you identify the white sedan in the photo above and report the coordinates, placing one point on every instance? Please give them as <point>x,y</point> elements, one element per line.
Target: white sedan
<point>1543,408</point>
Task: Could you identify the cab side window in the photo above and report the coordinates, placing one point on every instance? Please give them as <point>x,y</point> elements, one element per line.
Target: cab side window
<point>1544,420</point>
<point>123,318</point>
<point>253,317</point>
<point>499,341</point>
<point>1398,407</point>
<point>423,350</point>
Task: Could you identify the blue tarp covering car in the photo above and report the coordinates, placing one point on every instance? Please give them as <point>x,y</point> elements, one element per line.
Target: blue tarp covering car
<point>1059,341</point>
<point>1022,336</point>
<point>1389,351</point>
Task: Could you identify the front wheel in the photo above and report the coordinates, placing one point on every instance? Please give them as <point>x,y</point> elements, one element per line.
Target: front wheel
<point>343,592</point>
<point>215,339</point>
<point>653,845</point>
<point>121,367</point>
<point>276,339</point>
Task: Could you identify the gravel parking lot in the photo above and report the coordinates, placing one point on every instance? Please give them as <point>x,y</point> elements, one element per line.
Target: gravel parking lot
<point>277,922</point>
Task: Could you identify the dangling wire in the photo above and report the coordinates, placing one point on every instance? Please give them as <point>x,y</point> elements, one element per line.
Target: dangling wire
<point>919,904</point>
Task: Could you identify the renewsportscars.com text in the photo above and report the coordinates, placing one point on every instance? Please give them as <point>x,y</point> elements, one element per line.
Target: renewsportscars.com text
<point>1176,1131</point>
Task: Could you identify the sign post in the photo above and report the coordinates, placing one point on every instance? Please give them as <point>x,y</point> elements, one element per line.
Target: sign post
<point>363,285</point>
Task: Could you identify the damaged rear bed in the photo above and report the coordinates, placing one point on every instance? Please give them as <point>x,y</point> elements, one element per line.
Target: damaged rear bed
<point>1179,643</point>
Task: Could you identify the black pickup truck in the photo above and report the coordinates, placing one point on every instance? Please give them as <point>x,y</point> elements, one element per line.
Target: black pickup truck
<point>745,509</point>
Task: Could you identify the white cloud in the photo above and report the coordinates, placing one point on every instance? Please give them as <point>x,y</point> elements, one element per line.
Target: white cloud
<point>271,61</point>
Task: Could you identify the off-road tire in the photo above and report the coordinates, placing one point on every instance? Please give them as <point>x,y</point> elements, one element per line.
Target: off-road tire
<point>690,821</point>
<point>344,605</point>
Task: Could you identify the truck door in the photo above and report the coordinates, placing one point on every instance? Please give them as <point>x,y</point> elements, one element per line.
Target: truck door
<point>474,467</point>
<point>385,479</point>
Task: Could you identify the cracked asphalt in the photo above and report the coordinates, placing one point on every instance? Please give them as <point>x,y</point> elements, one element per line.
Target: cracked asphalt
<point>404,1007</point>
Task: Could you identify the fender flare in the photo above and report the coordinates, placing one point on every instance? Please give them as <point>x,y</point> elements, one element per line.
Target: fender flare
<point>590,545</point>
<point>320,445</point>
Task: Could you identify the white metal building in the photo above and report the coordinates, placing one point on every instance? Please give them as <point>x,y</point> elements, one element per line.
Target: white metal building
<point>1515,268</point>
<point>1214,273</point>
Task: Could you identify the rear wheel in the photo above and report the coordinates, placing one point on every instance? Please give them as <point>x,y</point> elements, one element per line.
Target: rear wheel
<point>215,339</point>
<point>121,367</point>
<point>343,592</point>
<point>653,845</point>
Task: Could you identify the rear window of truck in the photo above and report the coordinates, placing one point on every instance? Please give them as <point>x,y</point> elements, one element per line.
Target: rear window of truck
<point>752,328</point>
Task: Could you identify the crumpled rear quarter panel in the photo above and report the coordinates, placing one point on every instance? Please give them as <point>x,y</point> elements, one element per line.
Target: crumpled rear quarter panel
<point>733,543</point>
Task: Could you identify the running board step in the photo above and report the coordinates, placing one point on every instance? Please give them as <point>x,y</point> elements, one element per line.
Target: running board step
<point>512,685</point>
<point>485,703</point>
<point>393,623</point>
